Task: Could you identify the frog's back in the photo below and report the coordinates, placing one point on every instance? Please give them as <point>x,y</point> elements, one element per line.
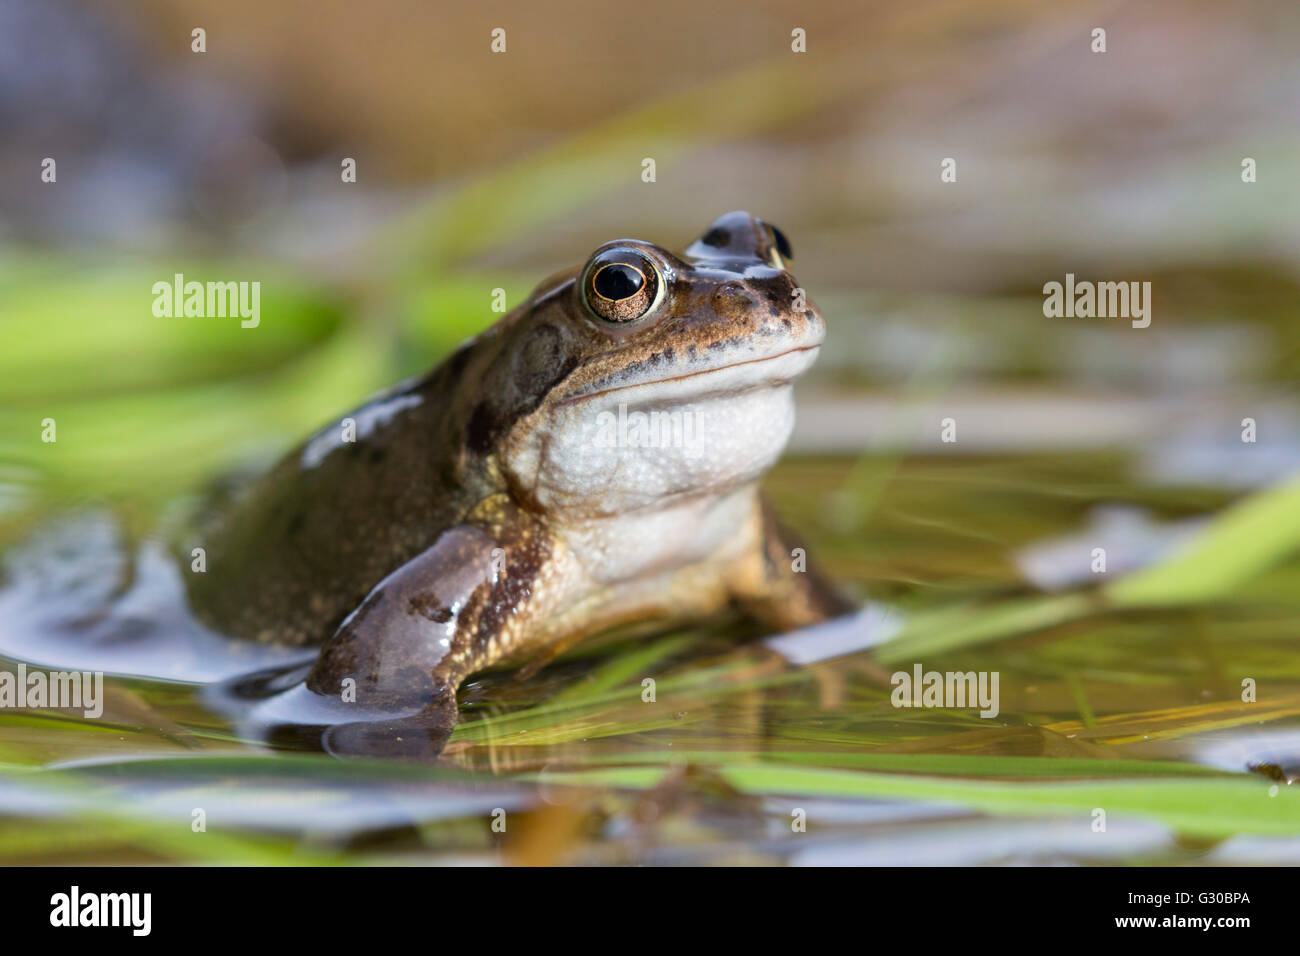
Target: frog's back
<point>301,547</point>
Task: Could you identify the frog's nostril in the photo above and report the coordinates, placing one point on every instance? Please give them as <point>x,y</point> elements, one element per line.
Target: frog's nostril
<point>732,295</point>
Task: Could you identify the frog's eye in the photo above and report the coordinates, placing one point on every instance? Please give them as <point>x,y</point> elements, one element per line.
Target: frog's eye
<point>621,285</point>
<point>779,251</point>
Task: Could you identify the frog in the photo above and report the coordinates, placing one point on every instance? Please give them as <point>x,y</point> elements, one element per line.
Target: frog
<point>592,460</point>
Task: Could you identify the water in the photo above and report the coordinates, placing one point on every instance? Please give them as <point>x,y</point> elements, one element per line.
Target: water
<point>1129,711</point>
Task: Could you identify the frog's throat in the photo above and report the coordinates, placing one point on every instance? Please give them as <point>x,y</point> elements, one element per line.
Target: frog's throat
<point>713,370</point>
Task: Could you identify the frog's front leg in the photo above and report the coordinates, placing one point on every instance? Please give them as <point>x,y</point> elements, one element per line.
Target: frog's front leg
<point>779,586</point>
<point>471,598</point>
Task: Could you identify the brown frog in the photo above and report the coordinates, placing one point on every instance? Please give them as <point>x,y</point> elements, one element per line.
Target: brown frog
<point>590,460</point>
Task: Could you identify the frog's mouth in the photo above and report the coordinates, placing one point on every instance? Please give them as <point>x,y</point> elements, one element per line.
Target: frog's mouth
<point>695,383</point>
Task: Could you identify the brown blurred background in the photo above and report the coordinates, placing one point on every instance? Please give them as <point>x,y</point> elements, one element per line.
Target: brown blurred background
<point>1123,165</point>
<point>1107,157</point>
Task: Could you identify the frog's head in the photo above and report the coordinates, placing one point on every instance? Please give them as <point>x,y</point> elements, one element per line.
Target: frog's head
<point>645,376</point>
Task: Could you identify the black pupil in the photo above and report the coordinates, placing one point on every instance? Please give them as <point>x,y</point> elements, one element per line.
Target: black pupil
<point>617,281</point>
<point>782,244</point>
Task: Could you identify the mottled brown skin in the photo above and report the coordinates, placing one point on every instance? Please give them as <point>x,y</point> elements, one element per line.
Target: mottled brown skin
<point>451,535</point>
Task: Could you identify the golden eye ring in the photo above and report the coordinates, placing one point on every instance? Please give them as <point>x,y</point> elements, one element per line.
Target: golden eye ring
<point>778,250</point>
<point>621,286</point>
